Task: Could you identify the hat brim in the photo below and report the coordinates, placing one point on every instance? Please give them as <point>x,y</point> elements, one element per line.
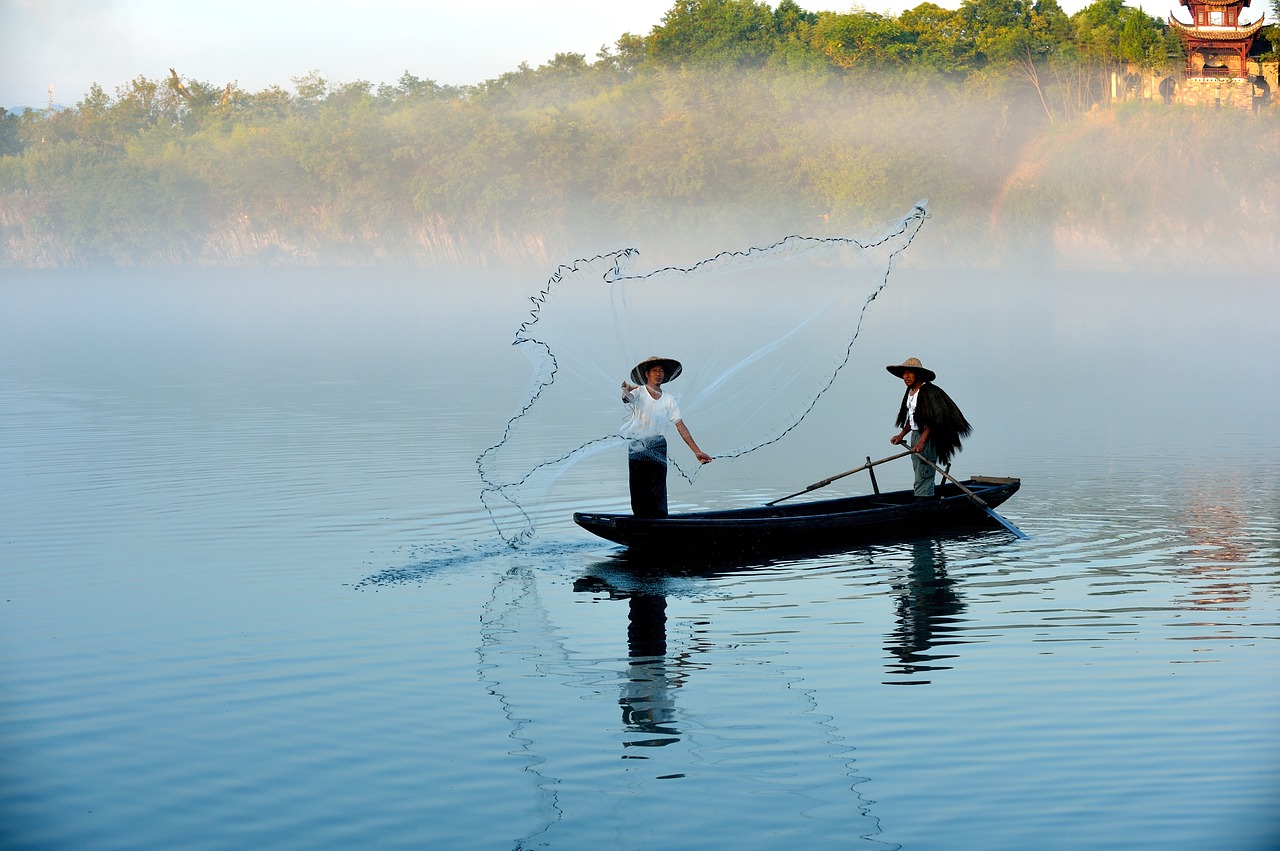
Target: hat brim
<point>926,374</point>
<point>672,368</point>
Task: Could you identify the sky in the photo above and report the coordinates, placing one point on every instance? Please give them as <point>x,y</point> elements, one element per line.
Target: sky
<point>255,44</point>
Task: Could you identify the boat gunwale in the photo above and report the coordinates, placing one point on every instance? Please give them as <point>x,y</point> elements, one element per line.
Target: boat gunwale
<point>829,510</point>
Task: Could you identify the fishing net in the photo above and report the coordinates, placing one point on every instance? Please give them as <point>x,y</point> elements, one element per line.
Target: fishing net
<point>761,332</point>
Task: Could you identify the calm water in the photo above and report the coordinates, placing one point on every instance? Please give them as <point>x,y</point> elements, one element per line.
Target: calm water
<point>250,597</point>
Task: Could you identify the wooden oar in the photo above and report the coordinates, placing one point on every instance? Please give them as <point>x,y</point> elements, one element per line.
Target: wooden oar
<point>825,482</point>
<point>973,496</point>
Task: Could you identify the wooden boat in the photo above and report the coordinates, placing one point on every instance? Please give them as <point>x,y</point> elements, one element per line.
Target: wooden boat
<point>818,526</point>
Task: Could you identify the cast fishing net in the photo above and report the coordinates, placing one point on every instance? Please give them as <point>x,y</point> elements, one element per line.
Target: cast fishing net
<point>762,333</point>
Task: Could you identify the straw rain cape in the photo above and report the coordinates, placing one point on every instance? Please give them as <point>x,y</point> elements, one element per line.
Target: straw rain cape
<point>947,425</point>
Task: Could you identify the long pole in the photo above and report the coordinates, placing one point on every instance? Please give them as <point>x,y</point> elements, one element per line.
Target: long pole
<point>825,482</point>
<point>973,496</point>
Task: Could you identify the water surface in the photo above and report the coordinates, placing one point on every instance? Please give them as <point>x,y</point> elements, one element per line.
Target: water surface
<point>251,597</point>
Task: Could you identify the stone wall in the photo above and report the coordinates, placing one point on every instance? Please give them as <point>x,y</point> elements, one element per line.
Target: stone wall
<point>1217,92</point>
<point>1224,93</point>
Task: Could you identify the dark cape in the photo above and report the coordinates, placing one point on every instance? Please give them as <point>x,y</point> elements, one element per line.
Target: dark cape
<point>947,425</point>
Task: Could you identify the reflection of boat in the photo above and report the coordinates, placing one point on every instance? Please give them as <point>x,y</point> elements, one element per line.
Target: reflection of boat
<point>809,526</point>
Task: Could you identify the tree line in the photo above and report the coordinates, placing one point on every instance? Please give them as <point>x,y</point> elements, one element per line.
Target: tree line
<point>725,109</point>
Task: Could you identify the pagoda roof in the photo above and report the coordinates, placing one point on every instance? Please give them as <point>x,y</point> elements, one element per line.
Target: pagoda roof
<point>1217,4</point>
<point>1241,33</point>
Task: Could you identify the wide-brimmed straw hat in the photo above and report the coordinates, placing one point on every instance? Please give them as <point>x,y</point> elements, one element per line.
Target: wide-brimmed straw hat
<point>670,366</point>
<point>912,365</point>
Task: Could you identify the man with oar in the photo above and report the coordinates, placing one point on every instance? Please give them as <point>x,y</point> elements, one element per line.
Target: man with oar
<point>931,428</point>
<point>932,425</point>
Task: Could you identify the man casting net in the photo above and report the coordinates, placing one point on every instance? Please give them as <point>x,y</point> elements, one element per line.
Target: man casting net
<point>761,332</point>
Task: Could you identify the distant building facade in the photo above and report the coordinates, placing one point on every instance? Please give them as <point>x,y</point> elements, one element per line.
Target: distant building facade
<point>1219,71</point>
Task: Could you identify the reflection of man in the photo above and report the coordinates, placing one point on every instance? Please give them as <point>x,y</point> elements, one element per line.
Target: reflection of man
<point>646,705</point>
<point>927,608</point>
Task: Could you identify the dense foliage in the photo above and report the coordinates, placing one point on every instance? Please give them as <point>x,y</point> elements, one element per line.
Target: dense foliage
<point>727,111</point>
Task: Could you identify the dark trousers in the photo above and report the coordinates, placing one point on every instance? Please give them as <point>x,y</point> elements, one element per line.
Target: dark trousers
<point>647,464</point>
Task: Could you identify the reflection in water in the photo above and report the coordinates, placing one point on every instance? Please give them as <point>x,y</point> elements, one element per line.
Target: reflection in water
<point>648,706</point>
<point>177,529</point>
<point>927,610</point>
<point>1217,522</point>
<point>647,699</point>
<point>516,637</point>
<point>834,810</point>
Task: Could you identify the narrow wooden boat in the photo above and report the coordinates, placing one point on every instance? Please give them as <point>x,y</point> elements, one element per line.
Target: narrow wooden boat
<point>824,525</point>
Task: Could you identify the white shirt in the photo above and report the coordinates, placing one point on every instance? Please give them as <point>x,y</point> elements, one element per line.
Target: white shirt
<point>911,409</point>
<point>649,416</point>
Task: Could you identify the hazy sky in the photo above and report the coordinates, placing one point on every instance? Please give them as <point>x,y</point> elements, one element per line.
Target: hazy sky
<point>259,43</point>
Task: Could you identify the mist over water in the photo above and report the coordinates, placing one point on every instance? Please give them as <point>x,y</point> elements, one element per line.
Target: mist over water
<point>247,571</point>
<point>548,168</point>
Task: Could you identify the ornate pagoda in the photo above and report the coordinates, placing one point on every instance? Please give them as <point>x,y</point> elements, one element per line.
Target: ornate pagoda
<point>1217,42</point>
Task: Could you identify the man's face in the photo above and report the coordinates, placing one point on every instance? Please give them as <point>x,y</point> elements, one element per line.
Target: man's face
<point>656,374</point>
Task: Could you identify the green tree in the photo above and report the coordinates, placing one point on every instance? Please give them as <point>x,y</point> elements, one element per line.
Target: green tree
<point>90,120</point>
<point>789,19</point>
<point>999,29</point>
<point>1098,28</point>
<point>631,52</point>
<point>1111,36</point>
<point>1041,47</point>
<point>1142,40</point>
<point>10,139</point>
<point>862,40</point>
<point>412,88</point>
<point>942,40</point>
<point>741,32</point>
